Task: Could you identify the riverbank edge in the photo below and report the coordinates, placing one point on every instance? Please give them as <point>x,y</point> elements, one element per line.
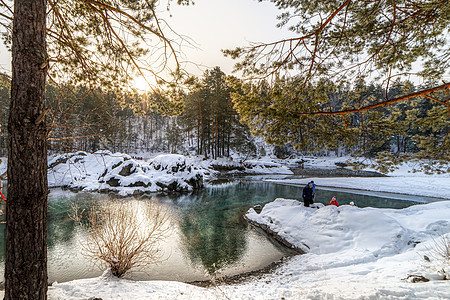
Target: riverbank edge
<point>241,278</point>
<point>335,172</point>
<point>255,274</point>
<point>274,235</point>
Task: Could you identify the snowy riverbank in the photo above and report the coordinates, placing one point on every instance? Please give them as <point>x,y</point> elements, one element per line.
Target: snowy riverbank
<point>426,186</point>
<point>352,253</point>
<point>125,175</point>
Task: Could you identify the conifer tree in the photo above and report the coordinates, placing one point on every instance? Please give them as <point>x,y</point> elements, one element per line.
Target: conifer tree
<point>341,44</point>
<point>209,111</point>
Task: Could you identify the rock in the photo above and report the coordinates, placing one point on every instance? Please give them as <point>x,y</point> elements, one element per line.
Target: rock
<point>128,169</point>
<point>164,173</point>
<point>174,187</point>
<point>341,164</point>
<point>179,167</point>
<point>113,181</point>
<point>417,278</point>
<point>139,183</point>
<point>196,181</point>
<point>229,167</point>
<point>258,208</point>
<point>161,185</point>
<point>116,165</point>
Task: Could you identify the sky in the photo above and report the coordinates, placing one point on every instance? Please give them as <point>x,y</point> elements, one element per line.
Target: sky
<point>213,25</point>
<point>225,24</point>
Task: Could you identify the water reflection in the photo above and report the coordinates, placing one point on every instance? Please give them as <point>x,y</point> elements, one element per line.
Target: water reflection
<point>213,231</point>
<point>209,233</point>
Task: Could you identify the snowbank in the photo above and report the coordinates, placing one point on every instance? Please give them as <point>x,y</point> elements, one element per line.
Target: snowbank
<point>367,232</point>
<point>361,252</point>
<point>104,172</point>
<point>410,168</point>
<point>109,287</point>
<point>264,166</point>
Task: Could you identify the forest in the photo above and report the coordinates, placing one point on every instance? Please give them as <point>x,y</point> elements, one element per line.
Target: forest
<point>217,115</point>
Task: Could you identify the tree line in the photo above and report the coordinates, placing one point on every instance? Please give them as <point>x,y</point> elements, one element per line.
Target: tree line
<point>217,113</point>
<point>79,118</point>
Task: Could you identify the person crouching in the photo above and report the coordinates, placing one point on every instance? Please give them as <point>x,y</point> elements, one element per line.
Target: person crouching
<point>334,202</point>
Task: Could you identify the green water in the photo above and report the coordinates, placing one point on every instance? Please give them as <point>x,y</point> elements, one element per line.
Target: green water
<point>208,232</point>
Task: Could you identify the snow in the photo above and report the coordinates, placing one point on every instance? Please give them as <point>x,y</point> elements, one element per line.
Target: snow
<point>351,252</point>
<point>120,173</point>
<point>361,252</point>
<point>108,287</point>
<point>265,167</point>
<point>410,168</point>
<point>403,180</point>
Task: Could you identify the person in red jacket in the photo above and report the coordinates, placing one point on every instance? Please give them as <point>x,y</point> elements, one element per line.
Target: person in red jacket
<point>334,202</point>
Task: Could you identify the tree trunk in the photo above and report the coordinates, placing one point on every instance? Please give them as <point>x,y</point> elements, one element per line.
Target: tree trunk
<point>26,211</point>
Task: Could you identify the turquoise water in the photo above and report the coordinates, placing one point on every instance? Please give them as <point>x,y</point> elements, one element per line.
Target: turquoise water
<point>207,235</point>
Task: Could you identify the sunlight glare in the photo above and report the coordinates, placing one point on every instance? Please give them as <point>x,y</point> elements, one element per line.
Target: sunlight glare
<point>141,84</point>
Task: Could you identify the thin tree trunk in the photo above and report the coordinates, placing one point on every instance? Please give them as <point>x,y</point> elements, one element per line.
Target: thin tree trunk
<point>26,212</point>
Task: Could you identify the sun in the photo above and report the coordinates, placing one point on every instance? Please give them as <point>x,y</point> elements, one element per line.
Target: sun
<point>141,84</point>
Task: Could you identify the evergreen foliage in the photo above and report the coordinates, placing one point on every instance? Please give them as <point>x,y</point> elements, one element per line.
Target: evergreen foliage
<point>318,96</point>
<point>209,113</point>
<point>342,39</point>
<point>275,111</point>
<point>105,43</point>
<point>92,119</point>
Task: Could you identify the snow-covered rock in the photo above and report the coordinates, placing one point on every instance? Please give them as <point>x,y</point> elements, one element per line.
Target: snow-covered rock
<point>249,166</point>
<point>107,172</point>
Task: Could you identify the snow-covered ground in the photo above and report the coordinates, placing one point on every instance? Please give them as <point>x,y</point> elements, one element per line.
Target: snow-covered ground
<point>123,174</point>
<point>352,253</point>
<point>120,173</point>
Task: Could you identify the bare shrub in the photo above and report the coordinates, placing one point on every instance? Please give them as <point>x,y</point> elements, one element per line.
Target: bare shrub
<point>441,252</point>
<point>123,235</point>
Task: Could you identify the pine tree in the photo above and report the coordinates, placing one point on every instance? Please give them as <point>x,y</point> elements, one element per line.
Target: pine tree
<point>340,44</point>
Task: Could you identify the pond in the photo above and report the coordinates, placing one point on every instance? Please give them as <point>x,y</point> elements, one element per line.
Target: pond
<point>207,231</point>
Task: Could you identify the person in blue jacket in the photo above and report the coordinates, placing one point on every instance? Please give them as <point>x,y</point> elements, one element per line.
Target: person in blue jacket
<point>308,194</point>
